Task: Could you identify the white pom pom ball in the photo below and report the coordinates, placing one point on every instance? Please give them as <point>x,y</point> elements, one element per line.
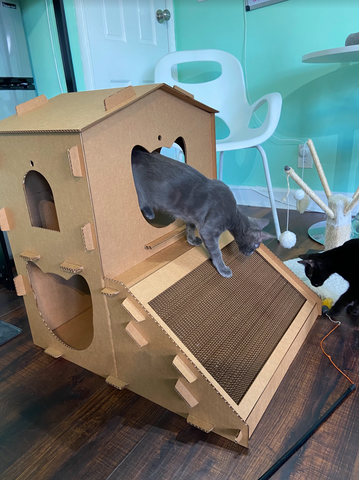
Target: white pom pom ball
<point>287,239</point>
<point>299,195</point>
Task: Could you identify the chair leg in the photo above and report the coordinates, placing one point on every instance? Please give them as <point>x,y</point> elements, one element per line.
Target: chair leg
<point>270,189</point>
<point>220,165</point>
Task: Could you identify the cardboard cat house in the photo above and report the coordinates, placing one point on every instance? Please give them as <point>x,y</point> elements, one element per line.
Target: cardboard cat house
<point>125,299</point>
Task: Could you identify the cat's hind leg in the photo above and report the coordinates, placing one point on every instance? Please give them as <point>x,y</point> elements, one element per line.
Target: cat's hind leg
<point>211,243</point>
<point>191,235</point>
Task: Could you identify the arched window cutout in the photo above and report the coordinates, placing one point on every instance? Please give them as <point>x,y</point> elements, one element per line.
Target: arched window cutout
<point>177,152</point>
<point>65,306</point>
<point>40,202</point>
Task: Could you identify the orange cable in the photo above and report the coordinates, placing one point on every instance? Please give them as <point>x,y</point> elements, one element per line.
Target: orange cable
<point>330,358</point>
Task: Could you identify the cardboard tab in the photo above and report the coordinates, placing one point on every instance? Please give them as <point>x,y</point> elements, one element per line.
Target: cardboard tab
<point>199,423</point>
<point>131,329</point>
<point>122,96</point>
<point>88,237</point>
<point>76,159</point>
<point>109,292</point>
<point>5,224</point>
<point>36,102</point>
<point>71,267</point>
<point>116,382</point>
<point>20,286</point>
<point>53,352</point>
<point>183,392</point>
<point>135,312</point>
<point>179,89</point>
<point>179,364</point>
<point>30,256</point>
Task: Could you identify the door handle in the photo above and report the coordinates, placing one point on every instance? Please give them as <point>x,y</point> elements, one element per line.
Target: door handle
<point>163,15</point>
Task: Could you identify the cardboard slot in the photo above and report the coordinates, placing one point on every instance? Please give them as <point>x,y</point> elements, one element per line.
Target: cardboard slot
<point>4,220</point>
<point>71,267</point>
<point>199,423</point>
<point>135,312</point>
<point>116,382</point>
<point>131,329</point>
<point>30,256</point>
<point>64,305</point>
<point>40,202</point>
<point>179,364</point>
<point>76,160</point>
<point>183,392</point>
<point>120,97</point>
<point>165,238</point>
<point>32,104</point>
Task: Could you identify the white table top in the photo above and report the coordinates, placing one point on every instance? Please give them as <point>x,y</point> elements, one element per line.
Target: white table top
<point>333,55</point>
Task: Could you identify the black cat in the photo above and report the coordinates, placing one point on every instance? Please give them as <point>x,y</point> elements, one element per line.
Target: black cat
<point>343,260</point>
<point>166,185</point>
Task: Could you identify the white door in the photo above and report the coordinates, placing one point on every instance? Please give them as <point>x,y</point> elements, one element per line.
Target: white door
<point>121,40</point>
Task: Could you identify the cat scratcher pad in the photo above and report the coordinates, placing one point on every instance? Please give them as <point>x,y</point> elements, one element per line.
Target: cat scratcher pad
<point>8,331</point>
<point>231,326</point>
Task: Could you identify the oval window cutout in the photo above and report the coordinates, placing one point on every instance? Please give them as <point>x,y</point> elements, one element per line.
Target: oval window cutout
<point>64,305</point>
<point>40,202</point>
<point>177,152</point>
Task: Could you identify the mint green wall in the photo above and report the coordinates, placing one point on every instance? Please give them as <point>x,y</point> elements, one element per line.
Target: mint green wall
<point>38,22</point>
<point>320,101</point>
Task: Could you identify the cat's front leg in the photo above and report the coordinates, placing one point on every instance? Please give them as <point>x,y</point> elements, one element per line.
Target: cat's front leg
<point>191,235</point>
<point>211,243</point>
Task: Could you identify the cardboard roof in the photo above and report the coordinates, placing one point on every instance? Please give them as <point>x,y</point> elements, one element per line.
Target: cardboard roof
<point>75,112</point>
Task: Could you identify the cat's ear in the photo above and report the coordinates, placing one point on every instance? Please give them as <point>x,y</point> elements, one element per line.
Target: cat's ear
<point>306,261</point>
<point>259,222</point>
<point>266,236</point>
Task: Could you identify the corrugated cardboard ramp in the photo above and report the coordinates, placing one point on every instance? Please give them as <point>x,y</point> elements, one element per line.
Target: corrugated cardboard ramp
<point>231,326</point>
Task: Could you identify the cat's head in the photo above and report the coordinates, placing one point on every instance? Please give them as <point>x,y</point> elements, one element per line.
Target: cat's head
<point>249,239</point>
<point>316,268</point>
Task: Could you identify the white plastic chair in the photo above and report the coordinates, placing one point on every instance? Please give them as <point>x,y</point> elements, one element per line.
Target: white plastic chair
<point>227,94</point>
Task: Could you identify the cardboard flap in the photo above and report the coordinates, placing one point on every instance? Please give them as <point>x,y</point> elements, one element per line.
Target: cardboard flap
<point>199,423</point>
<point>30,256</point>
<point>76,159</point>
<point>22,286</point>
<point>109,292</point>
<point>179,364</point>
<point>183,392</point>
<point>122,96</point>
<point>71,267</point>
<point>88,237</point>
<point>131,329</point>
<point>181,90</point>
<point>116,382</point>
<point>134,311</point>
<point>53,352</point>
<point>5,223</point>
<point>36,102</point>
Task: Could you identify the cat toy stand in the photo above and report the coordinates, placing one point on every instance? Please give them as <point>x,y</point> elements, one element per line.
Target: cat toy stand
<point>136,304</point>
<point>338,224</point>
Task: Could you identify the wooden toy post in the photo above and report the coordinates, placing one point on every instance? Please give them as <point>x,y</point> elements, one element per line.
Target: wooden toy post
<point>338,227</point>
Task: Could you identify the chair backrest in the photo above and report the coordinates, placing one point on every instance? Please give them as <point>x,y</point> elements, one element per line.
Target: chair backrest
<point>226,93</point>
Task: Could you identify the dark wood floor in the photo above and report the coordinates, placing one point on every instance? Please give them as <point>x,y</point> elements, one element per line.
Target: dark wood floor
<point>61,422</point>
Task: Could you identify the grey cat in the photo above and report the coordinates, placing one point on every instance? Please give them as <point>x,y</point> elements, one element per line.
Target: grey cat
<point>167,185</point>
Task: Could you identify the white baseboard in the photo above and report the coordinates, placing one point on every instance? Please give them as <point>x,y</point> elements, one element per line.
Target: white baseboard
<point>258,197</point>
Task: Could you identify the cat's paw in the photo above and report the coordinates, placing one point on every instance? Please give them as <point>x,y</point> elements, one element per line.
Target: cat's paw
<point>148,213</point>
<point>195,241</point>
<point>225,272</point>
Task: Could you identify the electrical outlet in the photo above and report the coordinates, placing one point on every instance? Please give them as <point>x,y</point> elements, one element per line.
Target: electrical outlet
<point>305,158</point>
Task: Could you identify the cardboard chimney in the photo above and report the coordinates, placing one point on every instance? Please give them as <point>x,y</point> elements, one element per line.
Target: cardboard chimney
<point>125,299</point>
